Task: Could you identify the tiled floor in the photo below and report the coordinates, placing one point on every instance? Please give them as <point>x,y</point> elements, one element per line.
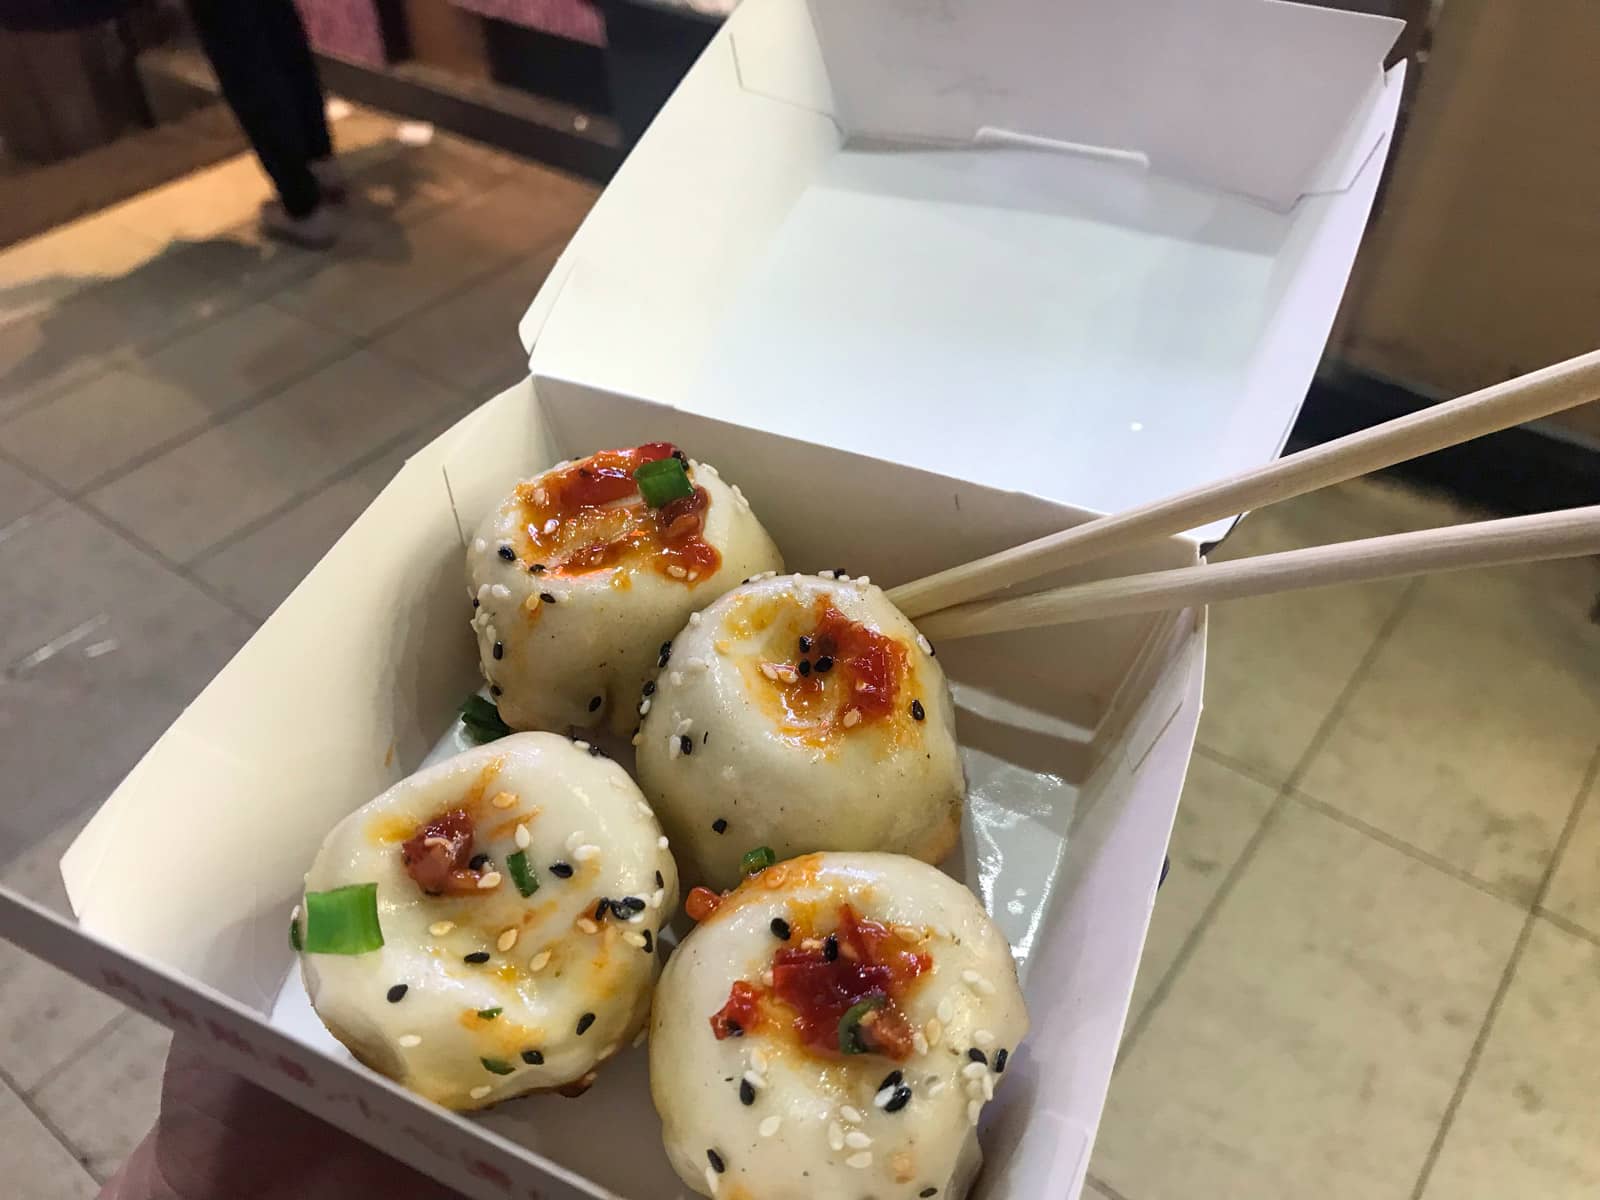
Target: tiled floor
<point>1371,973</point>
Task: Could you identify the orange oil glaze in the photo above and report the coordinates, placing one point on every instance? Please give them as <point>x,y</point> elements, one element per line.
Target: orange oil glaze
<point>603,521</point>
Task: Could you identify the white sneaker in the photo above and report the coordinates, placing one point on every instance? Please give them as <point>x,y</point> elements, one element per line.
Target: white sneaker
<point>314,231</point>
<point>330,179</point>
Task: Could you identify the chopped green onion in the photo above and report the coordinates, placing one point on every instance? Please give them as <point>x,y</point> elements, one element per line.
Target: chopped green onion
<point>497,1065</point>
<point>489,1014</point>
<point>521,873</point>
<point>294,934</point>
<point>663,481</point>
<point>481,719</point>
<point>850,1025</point>
<point>343,921</point>
<point>758,859</point>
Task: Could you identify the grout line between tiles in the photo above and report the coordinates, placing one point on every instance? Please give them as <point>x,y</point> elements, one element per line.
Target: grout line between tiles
<point>27,1101</point>
<point>1567,925</point>
<point>82,1049</point>
<point>1470,1067</point>
<point>1111,1192</point>
<point>1413,852</point>
<point>1238,766</point>
<point>1186,951</point>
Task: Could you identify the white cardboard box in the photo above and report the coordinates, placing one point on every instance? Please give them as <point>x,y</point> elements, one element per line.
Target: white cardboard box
<point>890,348</point>
<point>948,226</point>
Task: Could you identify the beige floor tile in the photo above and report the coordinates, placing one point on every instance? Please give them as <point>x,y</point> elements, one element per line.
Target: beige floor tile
<point>45,1015</point>
<point>409,182</point>
<point>1313,1040</point>
<point>1471,734</point>
<point>45,270</point>
<point>469,341</point>
<point>1093,1191</point>
<point>20,493</point>
<point>198,205</point>
<point>1277,664</point>
<point>33,1164</point>
<point>106,1098</point>
<point>1528,1125</point>
<point>213,486</point>
<point>258,571</point>
<point>1575,888</point>
<point>1220,811</point>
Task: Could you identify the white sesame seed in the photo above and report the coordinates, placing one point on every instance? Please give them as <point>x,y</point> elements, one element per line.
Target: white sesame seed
<point>863,580</point>
<point>504,800</point>
<point>693,575</point>
<point>677,572</point>
<point>925,644</point>
<point>696,663</point>
<point>857,1140</point>
<point>539,496</point>
<point>506,940</point>
<point>758,1058</point>
<point>586,851</point>
<point>440,928</point>
<point>294,913</point>
<point>769,1126</point>
<point>539,961</point>
<point>575,840</point>
<point>479,1092</point>
<point>490,879</point>
<point>770,671</point>
<point>755,1079</point>
<point>982,986</point>
<point>635,739</point>
<point>522,837</point>
<point>852,718</point>
<point>988,1087</point>
<point>611,1048</point>
<point>694,618</point>
<point>974,1110</point>
<point>674,746</point>
<point>946,1011</point>
<point>883,1097</point>
<point>661,842</point>
<point>642,1036</point>
<point>935,1086</point>
<point>685,725</point>
<point>788,675</point>
<point>442,842</point>
<point>587,925</point>
<point>500,592</point>
<point>851,1114</point>
<point>766,979</point>
<point>656,897</point>
<point>479,545</point>
<point>919,1043</point>
<point>712,1182</point>
<point>982,1038</point>
<point>859,1161</point>
<point>634,939</point>
<point>974,1069</point>
<point>675,678</point>
<point>580,744</point>
<point>552,525</point>
<point>644,706</point>
<point>409,1040</point>
<point>835,1136</point>
<point>861,685</point>
<point>934,1030</point>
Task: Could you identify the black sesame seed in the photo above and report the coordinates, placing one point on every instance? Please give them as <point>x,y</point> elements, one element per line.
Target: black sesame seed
<point>716,1162</point>
<point>477,956</point>
<point>397,993</point>
<point>534,1058</point>
<point>649,943</point>
<point>630,904</point>
<point>681,457</point>
<point>547,597</point>
<point>977,1055</point>
<point>561,870</point>
<point>747,1094</point>
<point>733,1027</point>
<point>917,711</point>
<point>584,1022</point>
<point>536,569</point>
<point>686,744</point>
<point>705,737</point>
<point>601,908</point>
<point>596,701</point>
<point>650,687</point>
<point>830,947</point>
<point>494,689</point>
<point>901,1098</point>
<point>507,553</point>
<point>805,666</point>
<point>1000,1061</point>
<point>660,882</point>
<point>928,1191</point>
<point>478,863</point>
<point>892,1079</point>
<point>805,644</point>
<point>476,602</point>
<point>666,653</point>
<point>499,649</point>
<point>824,664</point>
<point>780,929</point>
<point>719,826</point>
<point>595,751</point>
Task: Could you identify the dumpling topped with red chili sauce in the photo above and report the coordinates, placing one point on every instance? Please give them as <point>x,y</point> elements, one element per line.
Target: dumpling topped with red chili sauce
<point>800,713</point>
<point>584,572</point>
<point>487,927</point>
<point>833,1027</point>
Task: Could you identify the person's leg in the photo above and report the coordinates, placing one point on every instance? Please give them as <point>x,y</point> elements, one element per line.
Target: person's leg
<point>234,35</point>
<point>291,55</point>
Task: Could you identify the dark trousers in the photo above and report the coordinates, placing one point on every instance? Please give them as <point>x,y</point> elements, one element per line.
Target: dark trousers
<point>259,51</point>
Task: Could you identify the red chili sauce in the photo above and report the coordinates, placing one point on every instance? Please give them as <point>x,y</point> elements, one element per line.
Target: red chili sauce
<point>813,989</point>
<point>851,667</point>
<point>437,856</point>
<point>603,521</point>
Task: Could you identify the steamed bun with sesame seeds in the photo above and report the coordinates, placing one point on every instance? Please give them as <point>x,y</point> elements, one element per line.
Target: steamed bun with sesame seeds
<point>486,927</point>
<point>833,1027</point>
<point>801,713</point>
<point>583,573</point>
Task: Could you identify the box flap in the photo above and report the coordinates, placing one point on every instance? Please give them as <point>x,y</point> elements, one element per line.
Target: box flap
<point>1248,96</point>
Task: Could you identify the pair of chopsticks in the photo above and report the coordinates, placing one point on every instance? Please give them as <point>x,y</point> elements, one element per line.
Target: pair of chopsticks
<point>961,601</point>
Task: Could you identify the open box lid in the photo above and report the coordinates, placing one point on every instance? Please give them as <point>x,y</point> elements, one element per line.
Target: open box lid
<point>1083,250</point>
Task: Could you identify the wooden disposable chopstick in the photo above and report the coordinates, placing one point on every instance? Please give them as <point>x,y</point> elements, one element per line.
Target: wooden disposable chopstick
<point>1567,534</point>
<point>1525,398</point>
